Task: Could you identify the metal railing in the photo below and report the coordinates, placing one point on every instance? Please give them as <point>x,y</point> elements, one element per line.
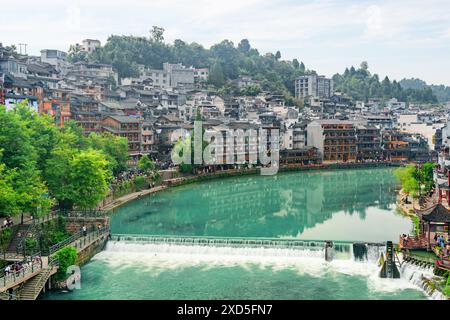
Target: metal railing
<point>82,213</point>
<point>78,240</point>
<point>28,268</point>
<point>21,247</point>
<point>65,242</point>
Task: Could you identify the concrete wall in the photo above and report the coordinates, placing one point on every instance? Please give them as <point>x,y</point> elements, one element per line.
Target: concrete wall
<point>315,136</point>
<point>74,225</point>
<point>85,255</point>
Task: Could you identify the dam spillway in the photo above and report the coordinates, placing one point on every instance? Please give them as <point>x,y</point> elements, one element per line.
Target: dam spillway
<point>357,251</point>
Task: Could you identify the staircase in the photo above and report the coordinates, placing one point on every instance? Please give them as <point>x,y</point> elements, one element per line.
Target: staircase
<point>31,289</point>
<point>22,229</point>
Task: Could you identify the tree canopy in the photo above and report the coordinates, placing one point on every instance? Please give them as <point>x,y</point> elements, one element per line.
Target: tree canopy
<point>360,84</point>
<point>41,164</point>
<point>225,60</point>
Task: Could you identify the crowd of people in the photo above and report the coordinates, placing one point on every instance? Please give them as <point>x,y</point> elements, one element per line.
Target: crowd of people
<point>21,266</point>
<point>443,243</point>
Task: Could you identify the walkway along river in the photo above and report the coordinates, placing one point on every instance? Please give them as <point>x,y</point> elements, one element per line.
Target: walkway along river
<point>345,205</point>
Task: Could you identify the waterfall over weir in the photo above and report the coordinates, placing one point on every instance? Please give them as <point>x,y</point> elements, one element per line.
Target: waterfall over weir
<point>305,255</point>
<point>247,246</point>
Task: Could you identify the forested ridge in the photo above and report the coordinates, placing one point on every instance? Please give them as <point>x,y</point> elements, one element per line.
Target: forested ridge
<point>227,61</point>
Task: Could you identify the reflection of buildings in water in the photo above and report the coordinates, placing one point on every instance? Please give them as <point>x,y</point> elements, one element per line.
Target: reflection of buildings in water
<point>283,205</point>
<point>286,204</point>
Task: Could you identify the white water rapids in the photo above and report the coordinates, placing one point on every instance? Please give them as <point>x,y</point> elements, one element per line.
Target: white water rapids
<point>304,260</point>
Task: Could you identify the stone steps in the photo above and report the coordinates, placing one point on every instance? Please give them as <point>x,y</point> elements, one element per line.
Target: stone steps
<point>32,288</point>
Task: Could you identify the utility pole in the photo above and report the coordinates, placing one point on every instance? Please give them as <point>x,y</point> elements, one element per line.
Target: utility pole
<point>25,47</point>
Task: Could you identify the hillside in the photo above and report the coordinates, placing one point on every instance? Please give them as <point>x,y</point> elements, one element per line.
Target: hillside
<point>228,61</point>
<point>442,92</point>
<point>360,84</point>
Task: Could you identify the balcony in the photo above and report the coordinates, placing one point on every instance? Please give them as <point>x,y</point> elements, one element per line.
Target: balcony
<point>439,178</point>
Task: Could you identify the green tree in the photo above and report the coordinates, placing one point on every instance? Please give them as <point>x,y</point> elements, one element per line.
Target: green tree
<point>157,34</point>
<point>115,149</point>
<point>78,178</point>
<point>8,196</point>
<point>278,55</point>
<point>296,64</point>
<point>216,75</point>
<point>302,67</point>
<point>145,164</point>
<point>244,46</point>
<point>251,90</point>
<point>407,178</point>
<point>89,178</point>
<point>76,54</point>
<point>67,257</point>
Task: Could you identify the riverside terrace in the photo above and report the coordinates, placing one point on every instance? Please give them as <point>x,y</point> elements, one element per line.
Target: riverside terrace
<point>29,270</point>
<point>433,236</point>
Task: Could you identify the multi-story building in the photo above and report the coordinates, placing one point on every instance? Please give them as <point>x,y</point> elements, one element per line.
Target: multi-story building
<point>56,58</point>
<point>304,155</point>
<point>128,127</point>
<point>148,139</point>
<point>201,75</point>
<point>313,85</point>
<point>395,148</point>
<point>85,111</point>
<point>404,146</point>
<point>368,143</point>
<point>381,122</point>
<point>334,139</point>
<point>90,45</point>
<point>180,76</point>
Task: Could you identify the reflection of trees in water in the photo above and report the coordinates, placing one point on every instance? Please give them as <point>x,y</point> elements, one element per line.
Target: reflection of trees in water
<point>285,204</point>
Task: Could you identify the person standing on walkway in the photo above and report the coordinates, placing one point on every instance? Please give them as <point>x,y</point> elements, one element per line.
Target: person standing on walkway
<point>84,231</point>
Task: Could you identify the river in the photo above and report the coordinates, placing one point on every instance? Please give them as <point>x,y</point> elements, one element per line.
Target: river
<point>342,205</point>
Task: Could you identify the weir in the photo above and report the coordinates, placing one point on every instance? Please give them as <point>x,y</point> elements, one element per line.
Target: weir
<point>329,250</point>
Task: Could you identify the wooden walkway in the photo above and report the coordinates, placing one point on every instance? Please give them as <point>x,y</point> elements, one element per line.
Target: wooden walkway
<point>414,242</point>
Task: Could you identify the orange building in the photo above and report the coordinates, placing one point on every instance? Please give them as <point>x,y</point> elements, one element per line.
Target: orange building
<point>57,106</point>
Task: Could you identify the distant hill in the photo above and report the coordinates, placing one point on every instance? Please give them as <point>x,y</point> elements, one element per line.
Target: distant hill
<point>441,92</point>
<point>360,84</point>
<point>225,60</point>
<point>228,61</point>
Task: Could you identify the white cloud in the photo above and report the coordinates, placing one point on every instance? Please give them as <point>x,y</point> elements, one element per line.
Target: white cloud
<point>73,18</point>
<point>314,31</point>
<point>374,21</point>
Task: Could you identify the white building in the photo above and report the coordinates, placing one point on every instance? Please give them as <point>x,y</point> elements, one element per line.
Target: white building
<point>56,58</point>
<point>394,104</point>
<point>89,45</point>
<point>180,76</point>
<point>201,75</point>
<point>410,123</point>
<point>313,85</point>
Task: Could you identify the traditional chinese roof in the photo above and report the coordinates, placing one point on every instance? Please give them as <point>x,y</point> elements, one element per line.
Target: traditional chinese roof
<point>437,213</point>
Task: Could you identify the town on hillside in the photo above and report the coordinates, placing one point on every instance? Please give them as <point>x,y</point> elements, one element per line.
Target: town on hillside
<point>323,124</point>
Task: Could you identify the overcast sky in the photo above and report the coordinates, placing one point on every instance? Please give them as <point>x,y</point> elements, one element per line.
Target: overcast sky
<point>401,38</point>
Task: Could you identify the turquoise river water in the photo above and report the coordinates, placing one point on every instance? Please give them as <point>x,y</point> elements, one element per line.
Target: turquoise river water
<point>347,205</point>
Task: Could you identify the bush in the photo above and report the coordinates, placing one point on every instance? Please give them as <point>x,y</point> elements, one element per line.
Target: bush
<point>5,237</point>
<point>416,222</point>
<point>52,232</point>
<point>67,257</point>
<point>139,183</point>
